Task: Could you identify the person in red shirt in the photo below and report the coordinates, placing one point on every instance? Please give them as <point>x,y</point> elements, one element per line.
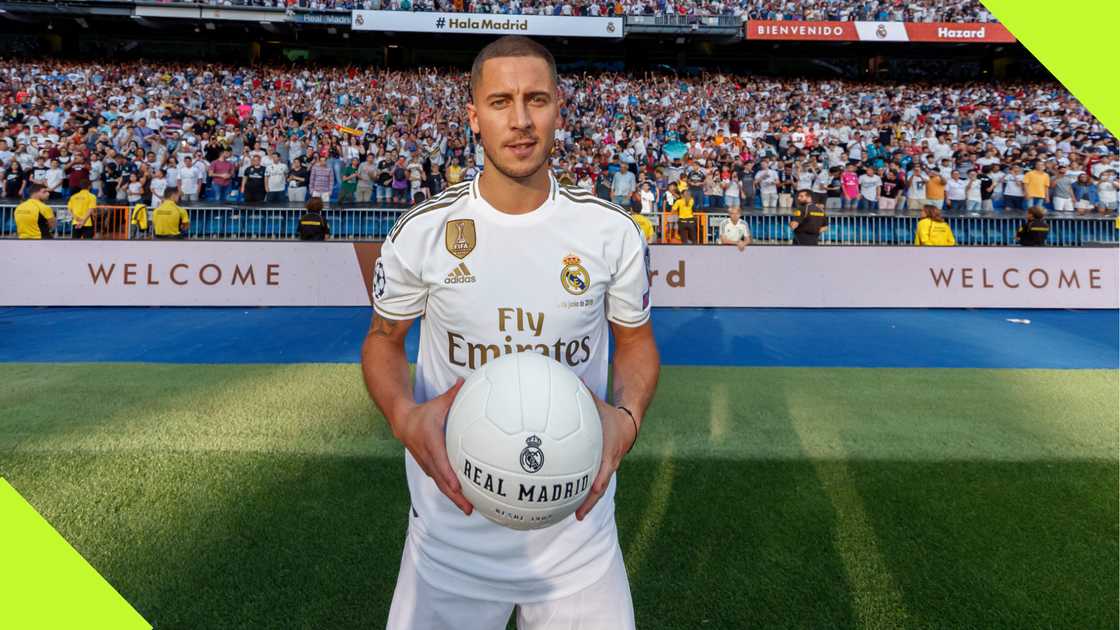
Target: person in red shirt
<point>221,174</point>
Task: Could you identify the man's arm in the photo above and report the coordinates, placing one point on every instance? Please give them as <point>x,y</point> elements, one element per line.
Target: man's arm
<point>637,367</point>
<point>420,427</point>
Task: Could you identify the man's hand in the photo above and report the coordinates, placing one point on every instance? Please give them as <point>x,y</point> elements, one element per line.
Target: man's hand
<point>619,433</point>
<point>741,245</point>
<point>421,430</point>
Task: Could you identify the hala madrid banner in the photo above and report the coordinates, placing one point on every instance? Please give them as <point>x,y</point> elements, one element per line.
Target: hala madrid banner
<point>944,32</point>
<point>215,273</point>
<point>486,24</point>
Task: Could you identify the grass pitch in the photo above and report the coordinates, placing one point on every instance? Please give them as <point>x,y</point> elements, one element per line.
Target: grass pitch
<point>273,496</point>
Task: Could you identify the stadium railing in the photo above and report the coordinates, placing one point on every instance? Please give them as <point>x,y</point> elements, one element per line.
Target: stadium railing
<point>373,224</point>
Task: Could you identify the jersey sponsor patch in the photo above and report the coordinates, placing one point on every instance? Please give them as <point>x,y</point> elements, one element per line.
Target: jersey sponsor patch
<point>460,238</point>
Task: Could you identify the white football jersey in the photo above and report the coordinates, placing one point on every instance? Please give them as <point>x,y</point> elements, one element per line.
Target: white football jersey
<point>488,283</point>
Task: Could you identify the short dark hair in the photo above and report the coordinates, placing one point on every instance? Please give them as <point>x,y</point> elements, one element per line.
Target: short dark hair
<point>169,191</point>
<point>511,46</point>
<point>35,188</point>
<point>315,205</point>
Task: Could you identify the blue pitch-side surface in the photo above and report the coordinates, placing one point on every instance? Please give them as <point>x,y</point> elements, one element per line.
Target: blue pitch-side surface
<point>922,338</point>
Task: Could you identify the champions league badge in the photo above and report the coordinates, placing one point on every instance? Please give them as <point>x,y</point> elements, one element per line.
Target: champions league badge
<point>531,456</point>
<point>573,277</point>
<point>378,280</point>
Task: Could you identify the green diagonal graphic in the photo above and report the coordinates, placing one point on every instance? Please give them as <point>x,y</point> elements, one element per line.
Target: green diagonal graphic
<point>45,583</point>
<point>1077,42</point>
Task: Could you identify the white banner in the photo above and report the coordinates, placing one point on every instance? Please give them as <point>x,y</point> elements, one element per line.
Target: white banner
<point>215,273</point>
<point>180,273</point>
<point>882,31</point>
<point>486,24</point>
<point>886,277</point>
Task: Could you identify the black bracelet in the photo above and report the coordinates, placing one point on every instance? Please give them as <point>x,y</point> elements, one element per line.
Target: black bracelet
<point>632,419</point>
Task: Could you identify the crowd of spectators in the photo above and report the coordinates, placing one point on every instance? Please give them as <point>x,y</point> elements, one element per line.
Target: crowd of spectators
<point>821,10</point>
<point>280,134</point>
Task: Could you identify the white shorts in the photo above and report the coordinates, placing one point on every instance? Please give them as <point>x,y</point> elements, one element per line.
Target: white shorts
<point>605,605</point>
<point>1063,204</point>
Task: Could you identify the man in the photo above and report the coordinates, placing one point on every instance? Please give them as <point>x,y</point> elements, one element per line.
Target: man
<point>276,185</point>
<point>81,206</point>
<point>348,187</point>
<point>734,231</point>
<point>190,180</point>
<point>685,208</point>
<point>170,220</point>
<point>1034,230</point>
<point>34,218</point>
<point>623,185</point>
<point>367,172</point>
<point>1036,183</point>
<point>809,221</point>
<point>312,225</point>
<point>510,227</point>
<point>221,176</point>
<point>297,181</point>
<point>252,183</point>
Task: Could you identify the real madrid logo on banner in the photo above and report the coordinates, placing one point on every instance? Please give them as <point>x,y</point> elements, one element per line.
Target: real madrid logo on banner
<point>460,238</point>
<point>573,277</point>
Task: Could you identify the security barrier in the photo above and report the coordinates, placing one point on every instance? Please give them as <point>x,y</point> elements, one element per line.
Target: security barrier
<point>373,224</point>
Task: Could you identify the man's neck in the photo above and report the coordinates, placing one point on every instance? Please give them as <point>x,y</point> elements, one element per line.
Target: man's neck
<point>514,195</point>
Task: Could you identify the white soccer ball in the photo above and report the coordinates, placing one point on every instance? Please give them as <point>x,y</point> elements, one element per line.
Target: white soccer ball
<point>524,436</point>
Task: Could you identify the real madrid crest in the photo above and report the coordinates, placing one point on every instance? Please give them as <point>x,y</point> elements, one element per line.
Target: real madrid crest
<point>459,237</point>
<point>532,459</point>
<point>573,277</point>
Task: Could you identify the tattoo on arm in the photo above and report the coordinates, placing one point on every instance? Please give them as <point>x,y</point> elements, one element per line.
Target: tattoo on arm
<point>383,327</point>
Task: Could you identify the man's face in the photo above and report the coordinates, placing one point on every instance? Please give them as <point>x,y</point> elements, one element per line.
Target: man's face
<point>516,112</point>
<point>256,160</point>
<point>803,198</point>
<point>735,213</point>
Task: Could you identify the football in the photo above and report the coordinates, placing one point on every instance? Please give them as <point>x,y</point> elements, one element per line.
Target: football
<point>525,439</point>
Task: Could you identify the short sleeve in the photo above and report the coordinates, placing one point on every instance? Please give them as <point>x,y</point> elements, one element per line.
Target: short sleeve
<point>398,292</point>
<point>47,212</point>
<point>628,301</point>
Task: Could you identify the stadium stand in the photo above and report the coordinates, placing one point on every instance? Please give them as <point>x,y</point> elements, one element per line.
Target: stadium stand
<point>815,10</point>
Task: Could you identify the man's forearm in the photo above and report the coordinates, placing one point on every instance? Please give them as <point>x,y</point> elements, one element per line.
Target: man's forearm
<point>637,367</point>
<point>385,370</point>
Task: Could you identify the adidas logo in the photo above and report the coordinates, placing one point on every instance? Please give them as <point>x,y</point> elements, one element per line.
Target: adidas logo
<point>459,275</point>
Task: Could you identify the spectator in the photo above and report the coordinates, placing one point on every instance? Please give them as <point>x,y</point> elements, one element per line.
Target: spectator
<point>1108,191</point>
<point>170,219</point>
<point>312,225</point>
<point>34,218</point>
<point>367,174</point>
<point>276,180</point>
<point>735,231</point>
<point>297,181</point>
<point>189,180</point>
<point>936,186</point>
<point>973,193</point>
<point>221,173</point>
<point>849,187</point>
<point>253,181</point>
<point>623,185</point>
<point>956,192</point>
<point>647,197</point>
<point>53,178</point>
<point>1034,230</point>
<point>1013,189</point>
<point>869,184</point>
<point>1036,183</point>
<point>1086,197</point>
<point>933,230</point>
<point>349,186</point>
<point>81,206</point>
<point>1061,191</point>
<point>321,180</point>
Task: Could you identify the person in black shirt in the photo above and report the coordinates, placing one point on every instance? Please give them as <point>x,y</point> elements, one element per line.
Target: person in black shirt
<point>297,181</point>
<point>312,225</point>
<point>603,185</point>
<point>832,201</point>
<point>110,177</point>
<point>14,180</point>
<point>252,185</point>
<point>1034,230</point>
<point>987,186</point>
<point>809,221</point>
